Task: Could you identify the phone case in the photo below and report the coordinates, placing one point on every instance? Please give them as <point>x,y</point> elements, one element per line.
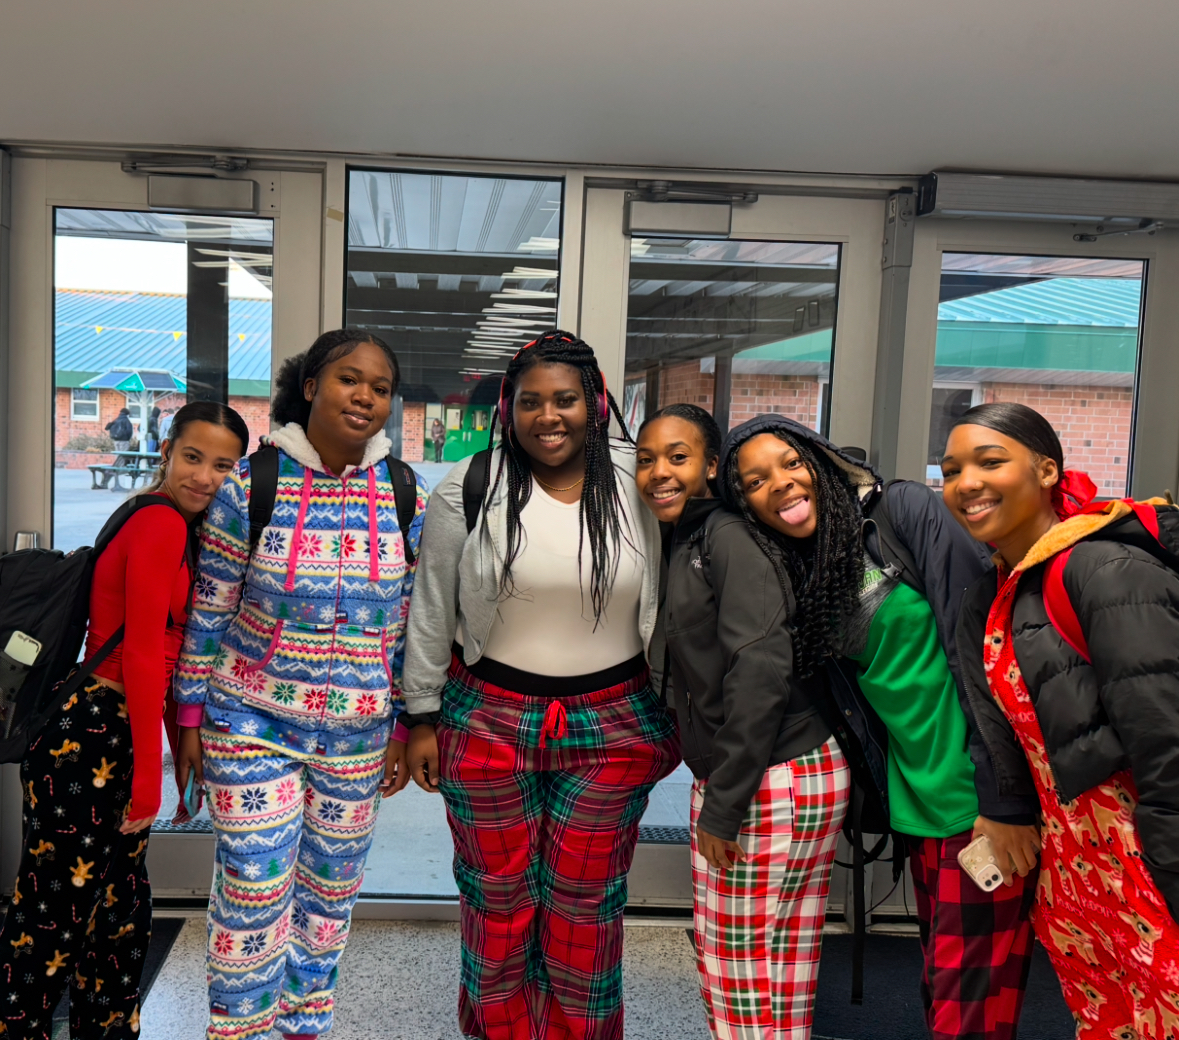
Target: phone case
<point>193,795</point>
<point>978,860</point>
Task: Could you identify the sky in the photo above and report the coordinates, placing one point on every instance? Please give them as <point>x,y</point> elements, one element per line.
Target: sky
<point>127,266</point>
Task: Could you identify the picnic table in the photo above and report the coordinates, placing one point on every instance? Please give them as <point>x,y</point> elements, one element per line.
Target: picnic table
<point>135,465</point>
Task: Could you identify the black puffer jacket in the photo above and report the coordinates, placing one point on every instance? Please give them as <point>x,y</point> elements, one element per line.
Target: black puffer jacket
<point>1121,711</point>
<point>741,707</point>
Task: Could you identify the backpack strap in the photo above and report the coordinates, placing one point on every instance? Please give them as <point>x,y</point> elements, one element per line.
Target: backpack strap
<point>405,491</point>
<point>474,481</point>
<point>263,488</point>
<point>896,561</point>
<point>1060,608</point>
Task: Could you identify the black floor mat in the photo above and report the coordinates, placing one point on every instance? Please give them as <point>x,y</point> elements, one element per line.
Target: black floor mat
<point>163,934</point>
<point>892,1003</point>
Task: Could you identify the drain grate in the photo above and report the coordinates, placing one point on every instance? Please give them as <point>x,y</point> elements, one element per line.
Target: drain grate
<point>192,827</point>
<point>665,835</point>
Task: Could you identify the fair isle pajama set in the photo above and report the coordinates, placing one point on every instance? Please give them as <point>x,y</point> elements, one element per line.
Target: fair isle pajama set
<point>292,666</point>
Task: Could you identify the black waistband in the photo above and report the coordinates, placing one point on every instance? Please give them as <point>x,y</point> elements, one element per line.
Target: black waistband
<point>532,685</point>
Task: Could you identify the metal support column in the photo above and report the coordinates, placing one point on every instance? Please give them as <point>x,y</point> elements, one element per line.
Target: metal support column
<point>208,326</point>
<point>722,391</point>
<point>654,377</point>
<point>899,216</point>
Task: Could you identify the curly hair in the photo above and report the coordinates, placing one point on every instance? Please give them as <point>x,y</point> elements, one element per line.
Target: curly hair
<point>601,504</point>
<point>826,570</point>
<point>289,404</point>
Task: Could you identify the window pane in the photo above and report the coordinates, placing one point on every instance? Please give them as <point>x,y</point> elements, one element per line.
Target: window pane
<point>84,404</point>
<point>1059,334</point>
<point>456,273</point>
<point>123,297</point>
<point>125,288</point>
<point>752,322</point>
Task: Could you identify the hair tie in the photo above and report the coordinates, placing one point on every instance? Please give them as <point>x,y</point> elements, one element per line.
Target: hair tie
<point>1072,493</point>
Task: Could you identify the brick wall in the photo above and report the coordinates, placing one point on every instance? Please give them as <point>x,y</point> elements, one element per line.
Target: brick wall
<point>755,393</point>
<point>1093,423</point>
<point>413,431</point>
<point>255,411</point>
<point>686,384</point>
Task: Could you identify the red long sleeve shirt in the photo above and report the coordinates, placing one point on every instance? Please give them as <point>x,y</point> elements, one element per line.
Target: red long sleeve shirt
<point>140,578</point>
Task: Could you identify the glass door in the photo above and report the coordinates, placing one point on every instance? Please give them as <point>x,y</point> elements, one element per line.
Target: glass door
<point>779,315</point>
<point>151,311</point>
<point>457,272</point>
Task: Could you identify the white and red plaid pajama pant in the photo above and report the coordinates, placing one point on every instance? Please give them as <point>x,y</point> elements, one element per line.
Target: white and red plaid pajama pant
<point>759,925</point>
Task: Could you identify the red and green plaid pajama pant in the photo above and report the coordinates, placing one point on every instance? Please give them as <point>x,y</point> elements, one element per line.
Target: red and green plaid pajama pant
<point>759,925</point>
<point>544,797</point>
<point>977,945</point>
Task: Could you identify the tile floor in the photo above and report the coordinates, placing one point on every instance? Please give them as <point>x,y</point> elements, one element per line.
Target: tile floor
<point>399,981</point>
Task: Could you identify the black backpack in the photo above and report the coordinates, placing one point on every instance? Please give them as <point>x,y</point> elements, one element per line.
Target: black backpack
<point>121,429</point>
<point>45,593</point>
<point>264,486</point>
<point>473,481</point>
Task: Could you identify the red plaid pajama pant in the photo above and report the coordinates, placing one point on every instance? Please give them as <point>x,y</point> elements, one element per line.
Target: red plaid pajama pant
<point>977,945</point>
<point>759,925</point>
<point>544,798</point>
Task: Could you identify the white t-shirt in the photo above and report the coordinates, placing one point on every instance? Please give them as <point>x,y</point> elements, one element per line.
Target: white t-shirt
<point>547,626</point>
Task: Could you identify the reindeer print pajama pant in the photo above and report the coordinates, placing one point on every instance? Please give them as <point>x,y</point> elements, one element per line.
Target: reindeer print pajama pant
<point>81,910</point>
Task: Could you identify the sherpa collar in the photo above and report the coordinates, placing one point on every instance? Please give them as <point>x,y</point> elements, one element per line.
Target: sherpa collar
<point>292,439</point>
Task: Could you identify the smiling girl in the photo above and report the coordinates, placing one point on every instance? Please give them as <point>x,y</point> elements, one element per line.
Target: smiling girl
<point>533,711</point>
<point>81,910</point>
<point>875,617</point>
<point>289,684</point>
<point>1089,725</point>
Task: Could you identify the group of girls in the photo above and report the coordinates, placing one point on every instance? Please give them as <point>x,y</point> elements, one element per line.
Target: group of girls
<point>584,610</point>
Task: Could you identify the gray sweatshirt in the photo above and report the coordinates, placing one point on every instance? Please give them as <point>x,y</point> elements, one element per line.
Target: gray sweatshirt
<point>458,579</point>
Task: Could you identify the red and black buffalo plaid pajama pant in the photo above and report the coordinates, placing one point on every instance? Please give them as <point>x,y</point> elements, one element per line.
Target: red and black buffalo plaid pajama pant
<point>544,797</point>
<point>759,924</point>
<point>977,945</point>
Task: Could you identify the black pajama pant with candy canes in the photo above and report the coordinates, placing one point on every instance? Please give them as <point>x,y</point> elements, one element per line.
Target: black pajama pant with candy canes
<point>81,911</point>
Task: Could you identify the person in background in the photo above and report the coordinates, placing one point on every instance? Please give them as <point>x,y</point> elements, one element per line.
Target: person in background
<point>153,430</point>
<point>1089,726</point>
<point>121,430</point>
<point>531,704</point>
<point>438,436</point>
<point>289,684</point>
<point>165,423</point>
<point>80,915</point>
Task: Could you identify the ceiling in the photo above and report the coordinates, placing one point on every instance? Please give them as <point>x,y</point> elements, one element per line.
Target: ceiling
<point>848,86</point>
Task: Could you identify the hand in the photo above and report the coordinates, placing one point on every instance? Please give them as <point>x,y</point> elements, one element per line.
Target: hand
<point>135,826</point>
<point>188,759</point>
<point>1016,846</point>
<point>421,755</point>
<point>719,853</point>
<point>396,770</point>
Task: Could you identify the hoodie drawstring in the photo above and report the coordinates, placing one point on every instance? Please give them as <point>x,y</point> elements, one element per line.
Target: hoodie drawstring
<point>374,570</point>
<point>554,724</point>
<point>293,555</point>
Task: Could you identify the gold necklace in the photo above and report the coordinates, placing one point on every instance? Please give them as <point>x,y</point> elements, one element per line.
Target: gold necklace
<point>559,490</point>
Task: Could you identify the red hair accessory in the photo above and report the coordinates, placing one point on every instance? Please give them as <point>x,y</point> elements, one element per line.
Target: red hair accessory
<point>1072,493</point>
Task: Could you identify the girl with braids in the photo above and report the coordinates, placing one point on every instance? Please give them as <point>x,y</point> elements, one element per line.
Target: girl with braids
<point>530,702</point>
<point>288,684</point>
<point>878,575</point>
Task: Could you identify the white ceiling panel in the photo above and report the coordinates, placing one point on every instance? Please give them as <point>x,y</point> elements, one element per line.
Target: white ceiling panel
<point>853,86</point>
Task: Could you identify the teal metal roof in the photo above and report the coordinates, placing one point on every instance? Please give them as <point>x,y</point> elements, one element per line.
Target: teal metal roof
<point>99,331</point>
<point>1105,302</point>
